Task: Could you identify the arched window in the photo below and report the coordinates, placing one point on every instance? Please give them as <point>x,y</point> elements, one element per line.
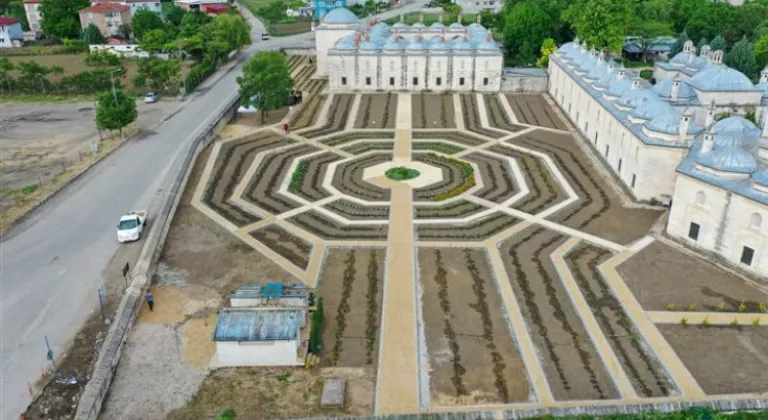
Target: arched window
<point>701,199</point>
<point>756,221</point>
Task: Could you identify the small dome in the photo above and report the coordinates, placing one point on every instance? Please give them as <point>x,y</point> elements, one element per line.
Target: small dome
<point>415,46</point>
<point>488,45</point>
<point>737,123</point>
<point>368,46</point>
<point>681,58</point>
<point>437,25</point>
<point>392,45</point>
<point>763,86</point>
<point>589,63</point>
<point>456,25</point>
<point>651,109</point>
<point>620,87</point>
<point>601,68</point>
<point>731,139</point>
<point>462,45</point>
<point>664,89</point>
<point>608,79</point>
<point>345,43</point>
<point>634,97</point>
<point>567,47</point>
<point>729,159</point>
<point>761,177</point>
<point>476,27</point>
<point>669,123</point>
<point>439,45</point>
<point>698,63</point>
<point>400,25</point>
<point>340,15</point>
<point>721,78</point>
<point>418,25</point>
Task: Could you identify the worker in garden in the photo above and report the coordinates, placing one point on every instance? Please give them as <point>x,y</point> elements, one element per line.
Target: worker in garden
<point>150,299</point>
<point>287,128</point>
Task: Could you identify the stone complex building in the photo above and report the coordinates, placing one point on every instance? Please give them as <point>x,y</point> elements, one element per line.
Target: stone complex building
<point>687,140</point>
<point>406,57</point>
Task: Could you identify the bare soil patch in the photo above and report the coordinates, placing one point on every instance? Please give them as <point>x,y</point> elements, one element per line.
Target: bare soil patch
<point>534,110</point>
<point>497,116</point>
<point>473,358</point>
<point>433,111</point>
<point>348,178</point>
<point>471,115</point>
<point>262,189</point>
<point>268,393</point>
<point>358,135</point>
<point>454,176</point>
<point>475,230</point>
<point>311,185</point>
<point>544,190</point>
<point>354,211</point>
<point>454,136</point>
<point>337,117</point>
<point>599,210</point>
<point>377,111</point>
<point>661,275</point>
<point>351,286</point>
<point>436,146</point>
<point>307,115</point>
<point>290,247</point>
<point>361,148</point>
<point>329,229</point>
<point>571,364</point>
<point>498,180</point>
<point>722,359</point>
<point>647,377</point>
<point>456,209</point>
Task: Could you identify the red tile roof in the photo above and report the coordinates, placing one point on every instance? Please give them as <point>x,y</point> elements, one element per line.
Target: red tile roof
<point>31,1</point>
<point>7,21</point>
<point>106,7</point>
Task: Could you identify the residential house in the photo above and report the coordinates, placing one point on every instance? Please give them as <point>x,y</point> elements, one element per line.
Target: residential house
<point>210,7</point>
<point>136,5</point>
<point>33,15</point>
<point>106,16</point>
<point>11,34</point>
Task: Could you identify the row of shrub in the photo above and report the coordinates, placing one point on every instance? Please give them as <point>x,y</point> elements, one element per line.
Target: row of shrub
<point>69,46</point>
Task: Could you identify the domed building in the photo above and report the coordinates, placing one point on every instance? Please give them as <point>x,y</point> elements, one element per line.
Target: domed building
<point>406,57</point>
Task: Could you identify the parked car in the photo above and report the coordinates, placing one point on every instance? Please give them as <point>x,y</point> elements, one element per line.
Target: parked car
<point>151,98</point>
<point>131,225</point>
<point>264,36</point>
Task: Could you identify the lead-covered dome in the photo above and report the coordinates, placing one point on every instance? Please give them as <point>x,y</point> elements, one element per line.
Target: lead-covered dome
<point>619,88</point>
<point>664,89</point>
<point>721,78</point>
<point>339,15</point>
<point>652,108</point>
<point>635,97</point>
<point>729,159</point>
<point>669,123</point>
<point>737,123</point>
<point>761,177</point>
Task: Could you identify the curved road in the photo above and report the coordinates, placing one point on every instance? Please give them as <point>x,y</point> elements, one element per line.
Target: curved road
<point>52,266</point>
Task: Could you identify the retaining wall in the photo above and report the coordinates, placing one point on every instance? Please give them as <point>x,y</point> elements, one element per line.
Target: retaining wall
<point>124,50</point>
<point>524,84</point>
<point>299,50</point>
<point>96,390</point>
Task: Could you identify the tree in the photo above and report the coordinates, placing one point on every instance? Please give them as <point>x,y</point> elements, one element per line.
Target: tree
<point>682,11</point>
<point>316,327</point>
<point>761,51</point>
<point>156,40</point>
<point>158,74</point>
<point>714,19</point>
<point>742,58</point>
<point>61,18</point>
<point>266,83</point>
<point>174,15</point>
<point>92,35</point>
<point>15,9</point>
<point>718,43</point>
<point>678,47</point>
<point>230,29</point>
<point>601,23</point>
<point>548,48</point>
<point>272,11</point>
<point>33,75</point>
<point>125,30</point>
<point>115,110</point>
<point>751,15</point>
<point>144,21</point>
<point>526,27</point>
<point>656,10</point>
<point>702,42</point>
<point>648,32</point>
<point>5,68</point>
<point>193,22</point>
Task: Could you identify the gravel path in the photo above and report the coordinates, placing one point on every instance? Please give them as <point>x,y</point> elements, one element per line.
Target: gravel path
<point>152,377</point>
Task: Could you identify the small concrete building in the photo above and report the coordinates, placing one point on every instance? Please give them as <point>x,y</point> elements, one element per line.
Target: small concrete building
<point>259,337</point>
<point>11,34</point>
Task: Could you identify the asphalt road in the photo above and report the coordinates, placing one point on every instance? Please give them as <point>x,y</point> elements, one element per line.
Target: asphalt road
<point>52,266</point>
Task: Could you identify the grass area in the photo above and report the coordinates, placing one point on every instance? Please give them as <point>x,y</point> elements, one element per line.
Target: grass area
<point>401,173</point>
<point>47,98</point>
<point>634,64</point>
<point>430,18</point>
<point>646,74</point>
<point>284,27</point>
<point>73,64</point>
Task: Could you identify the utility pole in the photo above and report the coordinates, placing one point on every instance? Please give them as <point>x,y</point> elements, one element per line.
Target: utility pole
<point>114,93</point>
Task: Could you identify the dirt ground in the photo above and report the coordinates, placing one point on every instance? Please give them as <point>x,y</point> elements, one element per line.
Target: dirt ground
<point>571,364</point>
<point>433,111</point>
<point>661,275</point>
<point>73,64</point>
<point>377,111</point>
<point>290,247</point>
<point>472,356</point>
<point>267,393</point>
<point>534,110</point>
<point>351,286</point>
<point>723,359</point>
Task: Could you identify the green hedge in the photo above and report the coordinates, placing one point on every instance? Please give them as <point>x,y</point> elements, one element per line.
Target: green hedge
<point>316,328</point>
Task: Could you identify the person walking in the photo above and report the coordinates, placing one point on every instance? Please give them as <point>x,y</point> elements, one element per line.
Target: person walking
<point>150,300</point>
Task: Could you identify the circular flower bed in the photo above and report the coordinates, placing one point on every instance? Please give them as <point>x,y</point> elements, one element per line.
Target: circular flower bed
<point>401,173</point>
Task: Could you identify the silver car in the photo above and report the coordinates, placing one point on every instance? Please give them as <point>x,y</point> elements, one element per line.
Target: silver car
<point>151,98</point>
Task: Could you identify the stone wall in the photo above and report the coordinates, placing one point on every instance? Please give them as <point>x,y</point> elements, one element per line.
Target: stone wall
<point>524,83</point>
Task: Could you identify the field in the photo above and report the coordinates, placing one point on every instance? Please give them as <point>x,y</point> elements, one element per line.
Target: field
<point>377,111</point>
<point>433,111</point>
<point>534,110</point>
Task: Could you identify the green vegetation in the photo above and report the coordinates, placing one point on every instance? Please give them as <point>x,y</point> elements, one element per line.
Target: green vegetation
<point>297,176</point>
<point>62,19</point>
<point>272,14</point>
<point>401,173</point>
<point>430,18</point>
<point>92,35</point>
<point>115,110</point>
<point>266,83</point>
<point>227,414</point>
<point>646,74</point>
<point>316,328</point>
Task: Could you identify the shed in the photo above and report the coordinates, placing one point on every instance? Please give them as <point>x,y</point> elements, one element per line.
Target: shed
<point>259,337</point>
<point>274,294</point>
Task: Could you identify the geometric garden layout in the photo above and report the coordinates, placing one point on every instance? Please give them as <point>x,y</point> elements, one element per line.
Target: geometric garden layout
<point>489,281</point>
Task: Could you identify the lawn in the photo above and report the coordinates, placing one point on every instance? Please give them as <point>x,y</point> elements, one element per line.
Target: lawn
<point>430,18</point>
<point>285,26</point>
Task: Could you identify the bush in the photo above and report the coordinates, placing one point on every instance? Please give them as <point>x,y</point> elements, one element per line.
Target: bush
<point>227,414</point>
<point>102,58</point>
<point>199,73</point>
<point>316,328</point>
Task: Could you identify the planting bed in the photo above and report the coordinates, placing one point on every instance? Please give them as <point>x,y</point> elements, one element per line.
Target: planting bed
<point>571,364</point>
<point>472,117</point>
<point>401,173</point>
<point>355,211</point>
<point>455,209</point>
<point>647,377</point>
<point>377,111</point>
<point>350,137</point>
<point>534,110</point>
<point>497,116</point>
<point>457,178</point>
<point>661,275</point>
<point>303,77</point>
<point>307,115</point>
<point>262,190</point>
<point>433,111</point>
<point>290,247</point>
<point>231,165</point>
<point>351,285</point>
<point>498,180</point>
<point>294,61</point>
<point>315,86</point>
<point>311,185</point>
<point>436,146</point>
<point>599,210</point>
<point>329,229</point>
<point>722,359</point>
<point>472,356</point>
<point>544,190</point>
<point>337,117</point>
<point>360,148</point>
<point>454,136</point>
<point>475,230</point>
<point>348,178</point>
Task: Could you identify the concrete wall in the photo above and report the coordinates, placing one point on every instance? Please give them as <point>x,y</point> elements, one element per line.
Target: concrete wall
<point>250,302</point>
<point>523,84</point>
<point>257,353</point>
<point>125,51</point>
<point>299,51</point>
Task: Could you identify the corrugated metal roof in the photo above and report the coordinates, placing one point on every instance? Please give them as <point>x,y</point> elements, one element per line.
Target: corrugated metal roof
<point>254,291</point>
<point>257,324</point>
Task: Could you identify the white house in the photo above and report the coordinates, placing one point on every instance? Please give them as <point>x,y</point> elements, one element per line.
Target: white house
<point>11,34</point>
<point>259,337</point>
<point>406,57</point>
<point>136,5</point>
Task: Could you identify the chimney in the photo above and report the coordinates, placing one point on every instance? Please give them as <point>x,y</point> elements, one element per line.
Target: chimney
<point>600,57</point>
<point>705,51</point>
<point>717,57</point>
<point>478,18</point>
<point>459,19</point>
<point>706,146</point>
<point>764,75</point>
<point>685,122</point>
<point>421,18</point>
<point>621,74</point>
<point>675,89</point>
<point>440,18</point>
<point>402,18</point>
<point>636,83</point>
<point>710,115</point>
<point>687,46</point>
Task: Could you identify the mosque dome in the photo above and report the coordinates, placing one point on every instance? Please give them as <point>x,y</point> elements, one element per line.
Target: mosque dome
<point>418,25</point>
<point>721,78</point>
<point>729,159</point>
<point>600,69</point>
<point>462,45</point>
<point>439,45</point>
<point>589,63</point>
<point>476,27</point>
<point>608,79</point>
<point>698,63</point>
<point>681,58</point>
<point>669,123</point>
<point>415,46</point>
<point>567,47</point>
<point>340,15</point>
<point>737,123</point>
<point>392,45</point>
<point>664,89</point>
<point>488,45</point>
<point>400,25</point>
<point>634,97</point>
<point>456,25</point>
<point>652,108</point>
<point>437,25</point>
<point>761,177</point>
<point>620,87</point>
<point>368,46</point>
<point>345,43</point>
